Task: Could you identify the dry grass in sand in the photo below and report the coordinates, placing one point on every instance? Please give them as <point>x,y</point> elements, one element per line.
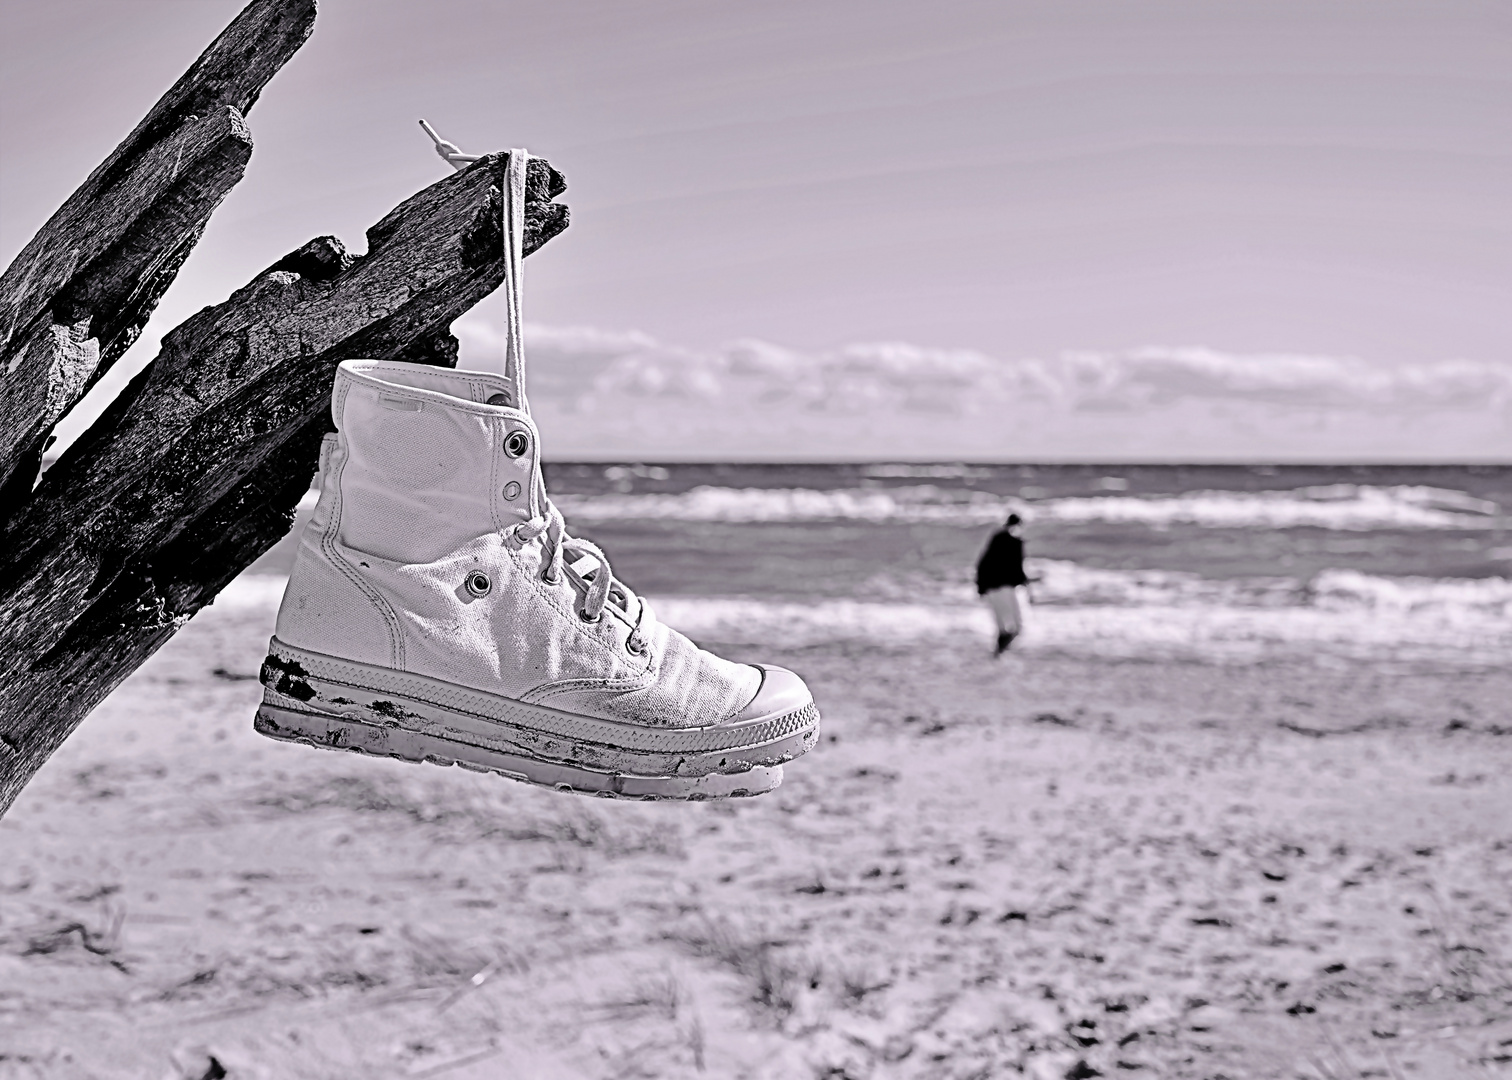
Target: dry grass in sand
<point>1046,866</point>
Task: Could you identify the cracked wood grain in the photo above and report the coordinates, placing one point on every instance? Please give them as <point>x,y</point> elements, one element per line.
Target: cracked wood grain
<point>79,293</point>
<point>195,468</point>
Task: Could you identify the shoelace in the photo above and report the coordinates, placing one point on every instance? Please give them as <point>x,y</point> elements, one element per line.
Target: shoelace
<point>551,530</point>
<point>550,527</point>
<point>450,152</point>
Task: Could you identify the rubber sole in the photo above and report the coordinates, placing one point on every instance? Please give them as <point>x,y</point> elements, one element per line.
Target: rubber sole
<point>334,733</point>
<point>332,703</point>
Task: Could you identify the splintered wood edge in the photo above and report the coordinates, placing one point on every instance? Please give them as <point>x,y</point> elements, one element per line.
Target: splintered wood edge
<point>221,490</point>
<point>86,284</point>
<point>130,225</point>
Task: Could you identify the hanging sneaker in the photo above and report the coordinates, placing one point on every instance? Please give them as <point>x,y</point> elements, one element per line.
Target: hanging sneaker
<point>439,611</point>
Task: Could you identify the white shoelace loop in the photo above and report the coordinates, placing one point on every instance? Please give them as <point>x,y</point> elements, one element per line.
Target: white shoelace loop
<point>551,530</point>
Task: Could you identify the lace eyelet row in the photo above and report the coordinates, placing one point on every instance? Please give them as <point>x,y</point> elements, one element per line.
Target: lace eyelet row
<point>634,646</point>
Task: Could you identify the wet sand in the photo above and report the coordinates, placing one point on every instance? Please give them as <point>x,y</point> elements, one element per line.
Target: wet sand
<point>1045,866</point>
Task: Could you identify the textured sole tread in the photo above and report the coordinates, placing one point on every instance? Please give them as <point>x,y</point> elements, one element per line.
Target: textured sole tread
<point>266,725</point>
<point>483,726</point>
<point>331,684</point>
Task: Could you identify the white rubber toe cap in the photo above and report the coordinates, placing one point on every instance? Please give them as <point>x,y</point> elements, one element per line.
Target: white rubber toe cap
<point>781,692</point>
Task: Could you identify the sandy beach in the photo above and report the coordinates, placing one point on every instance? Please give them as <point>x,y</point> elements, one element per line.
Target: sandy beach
<point>1048,866</point>
<point>1185,310</point>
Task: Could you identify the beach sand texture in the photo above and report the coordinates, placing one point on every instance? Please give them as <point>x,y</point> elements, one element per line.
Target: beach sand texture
<point>1053,866</point>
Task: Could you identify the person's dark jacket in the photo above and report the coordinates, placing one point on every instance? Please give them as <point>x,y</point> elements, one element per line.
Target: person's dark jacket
<point>1002,564</point>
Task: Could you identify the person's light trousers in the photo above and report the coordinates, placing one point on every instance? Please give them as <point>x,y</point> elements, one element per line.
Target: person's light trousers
<point>1007,608</point>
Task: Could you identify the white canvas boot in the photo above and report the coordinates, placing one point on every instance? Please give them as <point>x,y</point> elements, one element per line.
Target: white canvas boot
<point>438,610</point>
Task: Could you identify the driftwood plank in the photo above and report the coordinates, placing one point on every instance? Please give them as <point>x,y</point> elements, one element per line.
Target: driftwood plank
<point>194,471</point>
<point>78,294</point>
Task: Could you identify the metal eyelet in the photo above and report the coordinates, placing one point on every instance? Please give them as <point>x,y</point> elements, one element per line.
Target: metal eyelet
<point>516,443</point>
<point>632,650</point>
<point>511,491</point>
<point>547,577</point>
<point>500,399</point>
<point>584,616</point>
<point>478,583</point>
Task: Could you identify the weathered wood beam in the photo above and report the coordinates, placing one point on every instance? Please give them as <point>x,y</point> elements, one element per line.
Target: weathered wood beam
<point>195,469</point>
<point>79,293</point>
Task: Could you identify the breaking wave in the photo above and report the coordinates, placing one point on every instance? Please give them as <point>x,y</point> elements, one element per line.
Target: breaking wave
<point>1340,613</point>
<point>1086,611</point>
<point>1333,506</point>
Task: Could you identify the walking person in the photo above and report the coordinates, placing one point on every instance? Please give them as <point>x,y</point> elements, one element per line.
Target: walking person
<point>999,573</point>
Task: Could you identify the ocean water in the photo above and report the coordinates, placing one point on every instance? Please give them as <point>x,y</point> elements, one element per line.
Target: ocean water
<point>1227,564</point>
<point>1215,563</point>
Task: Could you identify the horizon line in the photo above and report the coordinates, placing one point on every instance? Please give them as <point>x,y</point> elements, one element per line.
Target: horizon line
<point>1488,463</point>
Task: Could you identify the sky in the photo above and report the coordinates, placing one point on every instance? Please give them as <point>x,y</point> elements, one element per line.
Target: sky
<point>1100,230</point>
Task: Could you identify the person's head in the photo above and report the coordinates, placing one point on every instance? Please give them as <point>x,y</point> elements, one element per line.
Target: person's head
<point>1012,523</point>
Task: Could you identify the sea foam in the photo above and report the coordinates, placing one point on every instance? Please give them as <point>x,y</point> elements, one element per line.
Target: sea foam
<point>1342,615</point>
<point>1091,612</point>
<point>1354,507</point>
